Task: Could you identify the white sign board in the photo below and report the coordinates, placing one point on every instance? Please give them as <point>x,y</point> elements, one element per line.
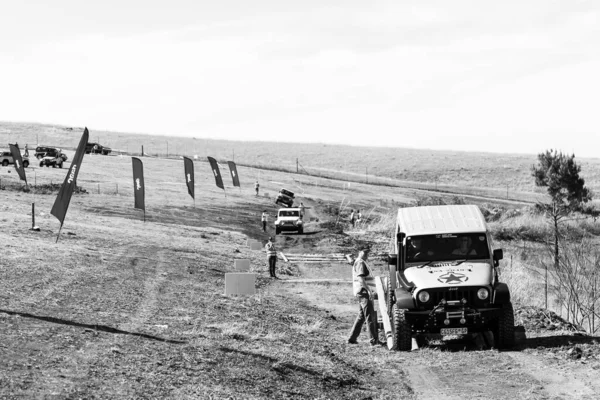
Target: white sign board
<point>239,283</point>
<point>256,246</point>
<point>242,265</point>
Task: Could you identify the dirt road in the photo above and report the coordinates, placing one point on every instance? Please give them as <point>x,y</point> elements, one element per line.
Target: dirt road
<point>463,369</point>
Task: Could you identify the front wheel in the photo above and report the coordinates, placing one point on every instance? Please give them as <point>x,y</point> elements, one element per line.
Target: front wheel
<point>504,334</point>
<point>4,163</point>
<point>402,330</point>
<point>277,231</point>
<point>300,231</point>
<point>25,164</point>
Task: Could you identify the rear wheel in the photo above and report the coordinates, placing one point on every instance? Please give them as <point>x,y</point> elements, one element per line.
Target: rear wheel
<point>4,163</point>
<point>25,164</point>
<point>402,330</point>
<point>504,334</point>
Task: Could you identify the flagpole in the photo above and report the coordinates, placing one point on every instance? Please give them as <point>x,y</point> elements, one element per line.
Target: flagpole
<point>57,236</point>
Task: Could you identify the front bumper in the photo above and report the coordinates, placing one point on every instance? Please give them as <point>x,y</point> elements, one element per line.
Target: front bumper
<point>288,227</point>
<point>475,320</point>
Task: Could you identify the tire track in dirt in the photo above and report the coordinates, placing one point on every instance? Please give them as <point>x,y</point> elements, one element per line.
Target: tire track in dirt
<point>83,360</point>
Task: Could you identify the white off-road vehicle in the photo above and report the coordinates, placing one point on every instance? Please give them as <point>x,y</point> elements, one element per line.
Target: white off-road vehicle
<point>289,219</point>
<point>444,277</point>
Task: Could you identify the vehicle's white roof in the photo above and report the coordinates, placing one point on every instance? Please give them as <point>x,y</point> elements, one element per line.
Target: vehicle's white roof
<point>429,220</point>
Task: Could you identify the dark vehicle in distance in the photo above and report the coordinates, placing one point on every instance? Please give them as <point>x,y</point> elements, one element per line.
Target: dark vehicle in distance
<point>97,148</point>
<point>49,151</point>
<point>285,197</point>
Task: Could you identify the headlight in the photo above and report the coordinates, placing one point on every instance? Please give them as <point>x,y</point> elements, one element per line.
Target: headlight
<point>483,294</point>
<point>299,222</point>
<point>423,296</point>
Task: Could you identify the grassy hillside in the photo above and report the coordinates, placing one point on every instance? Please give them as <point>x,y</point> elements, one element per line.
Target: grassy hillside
<point>500,174</point>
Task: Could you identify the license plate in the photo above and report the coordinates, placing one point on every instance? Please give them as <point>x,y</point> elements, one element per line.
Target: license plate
<point>453,331</point>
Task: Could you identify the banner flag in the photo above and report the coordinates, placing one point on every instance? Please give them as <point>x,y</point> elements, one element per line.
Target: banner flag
<point>61,204</point>
<point>139,190</point>
<point>188,166</point>
<point>234,174</point>
<point>215,168</point>
<point>18,160</point>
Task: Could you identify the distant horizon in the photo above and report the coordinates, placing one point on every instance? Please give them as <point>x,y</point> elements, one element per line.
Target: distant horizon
<point>174,136</point>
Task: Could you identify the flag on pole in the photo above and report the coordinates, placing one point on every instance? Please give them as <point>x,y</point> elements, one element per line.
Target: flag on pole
<point>188,165</point>
<point>215,168</point>
<point>18,160</point>
<point>61,204</point>
<point>234,174</point>
<point>139,190</point>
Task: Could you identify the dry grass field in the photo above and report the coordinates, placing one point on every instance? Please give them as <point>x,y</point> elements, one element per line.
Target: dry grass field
<point>486,174</point>
<point>122,308</point>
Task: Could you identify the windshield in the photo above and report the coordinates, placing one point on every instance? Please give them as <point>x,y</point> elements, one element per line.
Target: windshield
<point>446,247</point>
<point>287,193</point>
<point>289,213</point>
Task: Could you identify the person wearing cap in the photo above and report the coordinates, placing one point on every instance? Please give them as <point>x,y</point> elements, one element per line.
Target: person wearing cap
<point>271,257</point>
<point>264,219</point>
<point>364,295</point>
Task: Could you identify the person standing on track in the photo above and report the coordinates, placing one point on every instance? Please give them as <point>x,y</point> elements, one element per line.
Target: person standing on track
<point>364,295</point>
<point>302,208</point>
<point>271,257</point>
<point>256,186</point>
<point>352,217</point>
<point>264,218</point>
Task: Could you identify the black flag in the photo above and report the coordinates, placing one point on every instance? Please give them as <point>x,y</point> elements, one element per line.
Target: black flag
<point>188,166</point>
<point>61,204</point>
<point>234,174</point>
<point>139,190</point>
<point>215,168</point>
<point>18,160</point>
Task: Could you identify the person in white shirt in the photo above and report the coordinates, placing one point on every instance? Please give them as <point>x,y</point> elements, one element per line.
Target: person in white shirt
<point>264,219</point>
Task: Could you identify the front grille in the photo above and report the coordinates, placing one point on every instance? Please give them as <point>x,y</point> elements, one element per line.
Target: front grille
<point>461,293</point>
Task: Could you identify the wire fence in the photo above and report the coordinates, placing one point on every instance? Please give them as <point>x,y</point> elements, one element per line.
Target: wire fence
<point>336,179</point>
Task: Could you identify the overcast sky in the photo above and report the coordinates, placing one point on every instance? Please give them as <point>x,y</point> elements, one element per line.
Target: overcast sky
<point>504,76</point>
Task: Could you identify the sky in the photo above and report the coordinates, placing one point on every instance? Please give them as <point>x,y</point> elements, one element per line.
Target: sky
<point>512,76</point>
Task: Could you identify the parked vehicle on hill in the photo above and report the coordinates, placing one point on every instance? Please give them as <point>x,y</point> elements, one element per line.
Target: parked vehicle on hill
<point>289,219</point>
<point>6,158</point>
<point>43,151</point>
<point>443,276</point>
<point>52,161</point>
<point>97,148</point>
<point>285,197</point>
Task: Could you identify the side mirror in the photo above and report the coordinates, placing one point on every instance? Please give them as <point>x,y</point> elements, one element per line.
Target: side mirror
<point>498,254</point>
<point>400,236</point>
